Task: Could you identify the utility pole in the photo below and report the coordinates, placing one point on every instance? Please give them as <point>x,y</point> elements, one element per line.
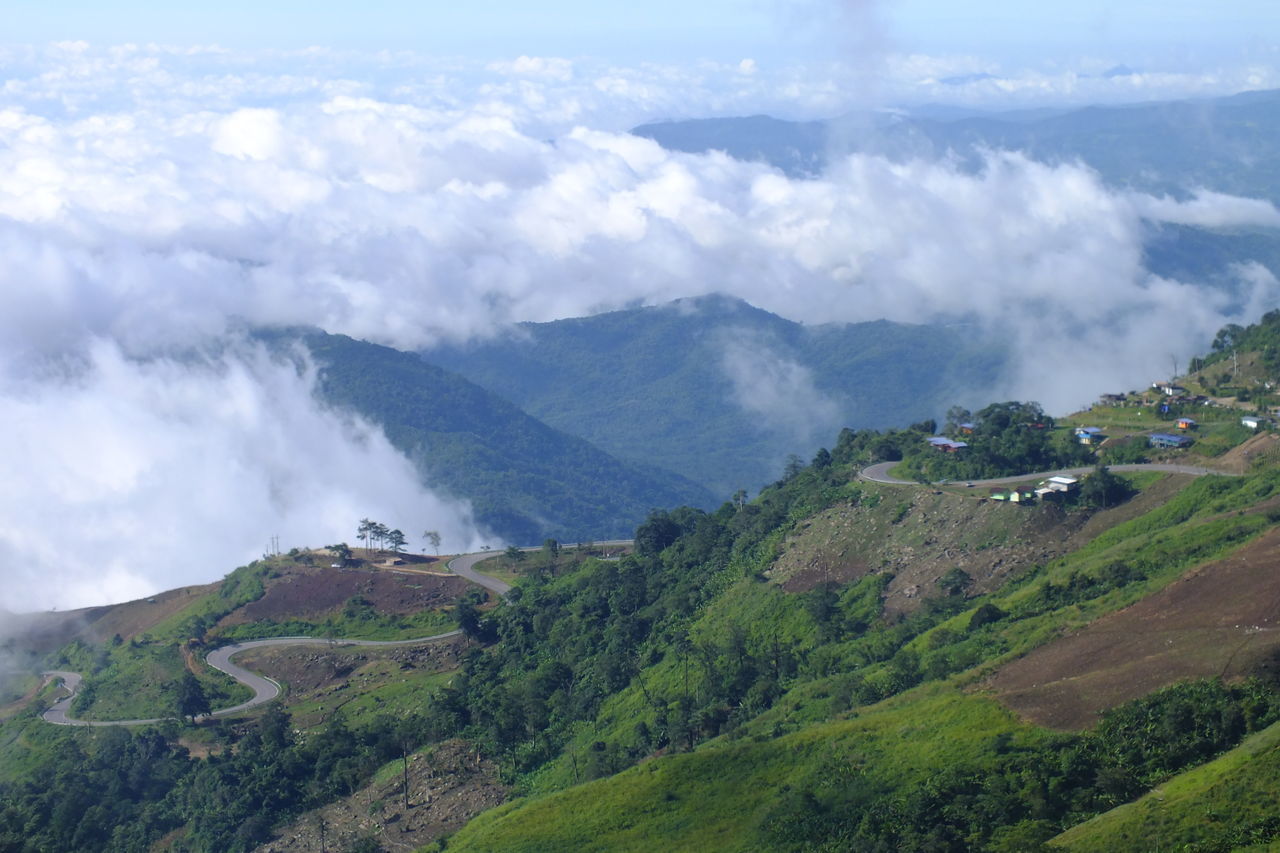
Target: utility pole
<point>404,756</point>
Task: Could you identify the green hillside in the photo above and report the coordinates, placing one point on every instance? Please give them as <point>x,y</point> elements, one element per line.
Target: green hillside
<point>657,385</point>
<point>835,665</point>
<point>525,480</point>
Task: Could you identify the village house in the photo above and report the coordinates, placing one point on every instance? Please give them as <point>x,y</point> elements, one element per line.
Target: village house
<point>1060,483</point>
<point>1169,389</point>
<point>1015,494</point>
<point>1187,423</point>
<point>946,445</point>
<point>1089,435</point>
<point>1164,440</point>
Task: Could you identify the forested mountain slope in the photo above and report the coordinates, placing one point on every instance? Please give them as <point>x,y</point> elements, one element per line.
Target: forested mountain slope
<point>718,390</point>
<point>526,481</point>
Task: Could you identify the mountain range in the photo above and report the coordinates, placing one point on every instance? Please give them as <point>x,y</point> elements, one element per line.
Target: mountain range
<point>718,390</point>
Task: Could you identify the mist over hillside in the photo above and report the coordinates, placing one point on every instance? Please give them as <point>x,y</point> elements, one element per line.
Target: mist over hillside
<point>723,392</point>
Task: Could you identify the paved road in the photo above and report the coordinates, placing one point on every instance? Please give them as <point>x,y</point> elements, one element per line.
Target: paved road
<point>879,473</point>
<point>57,714</point>
<point>265,689</point>
<point>465,566</point>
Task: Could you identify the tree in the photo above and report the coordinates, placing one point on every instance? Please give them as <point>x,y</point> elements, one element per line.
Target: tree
<point>514,554</point>
<point>658,531</point>
<point>469,619</point>
<point>380,533</point>
<point>396,540</point>
<point>793,467</point>
<point>190,697</point>
<point>1103,489</point>
<point>341,552</point>
<point>552,549</point>
<point>365,531</point>
<point>433,536</point>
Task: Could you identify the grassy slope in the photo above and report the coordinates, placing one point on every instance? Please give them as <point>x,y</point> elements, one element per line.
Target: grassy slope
<point>714,797</point>
<point>718,797</point>
<point>1217,805</point>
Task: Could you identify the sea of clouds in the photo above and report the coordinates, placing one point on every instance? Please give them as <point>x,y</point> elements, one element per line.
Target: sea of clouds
<point>154,203</point>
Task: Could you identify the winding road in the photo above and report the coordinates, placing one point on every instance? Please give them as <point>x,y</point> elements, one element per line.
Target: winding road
<point>266,689</point>
<point>879,473</point>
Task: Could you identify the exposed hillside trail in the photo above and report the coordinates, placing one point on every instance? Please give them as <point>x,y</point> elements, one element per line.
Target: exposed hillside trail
<point>266,689</point>
<point>879,473</point>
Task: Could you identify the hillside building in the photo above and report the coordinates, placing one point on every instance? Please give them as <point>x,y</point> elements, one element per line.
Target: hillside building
<point>1165,440</point>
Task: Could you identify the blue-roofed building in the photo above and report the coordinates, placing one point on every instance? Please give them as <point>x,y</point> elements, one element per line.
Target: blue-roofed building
<point>1089,435</point>
<point>947,445</point>
<point>1168,440</point>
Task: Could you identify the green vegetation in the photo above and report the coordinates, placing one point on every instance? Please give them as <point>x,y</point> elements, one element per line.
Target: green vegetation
<point>1004,439</point>
<point>142,678</point>
<point>634,382</point>
<point>1227,804</point>
<point>692,695</point>
<point>118,790</point>
<point>525,480</point>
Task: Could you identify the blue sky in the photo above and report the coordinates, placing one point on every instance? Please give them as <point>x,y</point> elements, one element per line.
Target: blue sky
<point>1179,31</point>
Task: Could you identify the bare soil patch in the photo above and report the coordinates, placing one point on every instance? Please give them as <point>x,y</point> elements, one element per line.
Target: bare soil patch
<point>312,671</point>
<point>448,785</point>
<point>1240,459</point>
<point>1219,620</point>
<point>921,534</point>
<point>311,593</point>
<point>41,633</point>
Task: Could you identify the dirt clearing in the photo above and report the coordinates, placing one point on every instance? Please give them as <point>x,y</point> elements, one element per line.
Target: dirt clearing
<point>312,593</point>
<point>1220,620</point>
<point>448,785</point>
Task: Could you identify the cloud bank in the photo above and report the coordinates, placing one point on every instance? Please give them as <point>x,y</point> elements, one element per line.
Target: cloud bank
<point>138,476</point>
<point>210,196</point>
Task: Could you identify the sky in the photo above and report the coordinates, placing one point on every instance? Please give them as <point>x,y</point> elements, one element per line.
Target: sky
<point>671,31</point>
<point>410,173</point>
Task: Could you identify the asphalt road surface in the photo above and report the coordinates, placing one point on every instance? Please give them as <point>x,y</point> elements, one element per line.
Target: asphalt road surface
<point>465,566</point>
<point>879,473</point>
<point>265,689</point>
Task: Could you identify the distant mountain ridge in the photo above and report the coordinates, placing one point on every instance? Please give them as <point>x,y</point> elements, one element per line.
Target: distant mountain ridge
<point>717,389</point>
<point>525,480</point>
<point>1229,145</point>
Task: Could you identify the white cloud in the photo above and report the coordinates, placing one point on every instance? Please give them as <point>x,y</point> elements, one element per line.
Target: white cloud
<point>420,202</point>
<point>140,476</point>
<point>777,390</point>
